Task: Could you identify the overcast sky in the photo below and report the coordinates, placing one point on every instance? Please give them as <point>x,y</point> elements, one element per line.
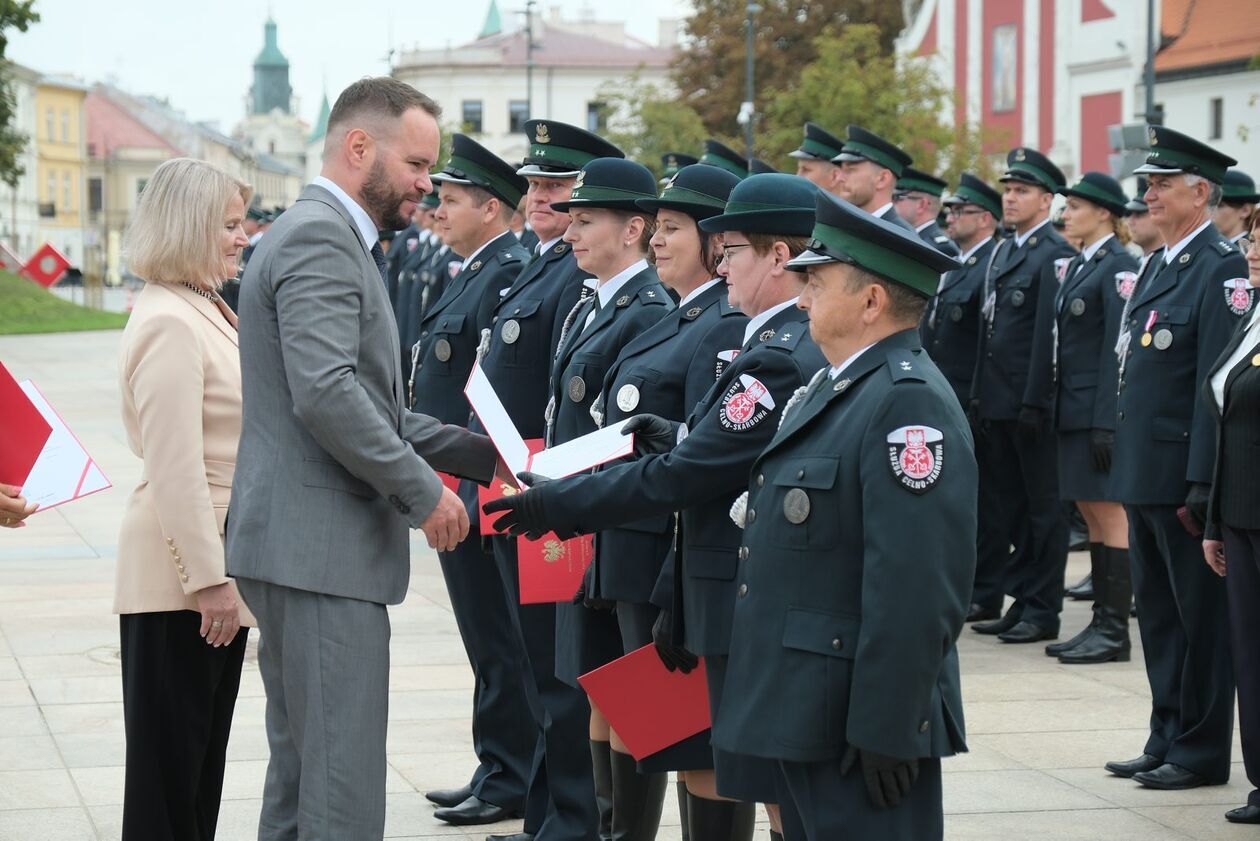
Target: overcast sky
<point>200,55</point>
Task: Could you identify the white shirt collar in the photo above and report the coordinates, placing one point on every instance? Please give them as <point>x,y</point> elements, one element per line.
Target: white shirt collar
<point>1234,239</point>
<point>480,249</point>
<point>360,216</point>
<point>698,290</point>
<point>1088,252</point>
<point>757,321</point>
<point>544,247</point>
<point>919,229</point>
<point>881,211</point>
<point>966,255</point>
<point>608,289</point>
<point>1020,239</point>
<point>1172,252</point>
<point>255,236</point>
<point>837,370</point>
<point>424,235</point>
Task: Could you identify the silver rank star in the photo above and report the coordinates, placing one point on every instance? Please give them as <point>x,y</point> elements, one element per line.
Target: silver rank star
<point>905,366</point>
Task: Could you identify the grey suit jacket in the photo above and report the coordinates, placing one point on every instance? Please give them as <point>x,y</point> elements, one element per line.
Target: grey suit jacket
<point>331,469</point>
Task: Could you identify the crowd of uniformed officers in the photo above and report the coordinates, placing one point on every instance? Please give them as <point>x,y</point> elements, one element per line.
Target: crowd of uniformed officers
<point>855,431</point>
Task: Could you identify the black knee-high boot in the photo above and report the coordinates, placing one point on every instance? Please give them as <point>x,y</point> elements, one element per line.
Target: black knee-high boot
<point>1097,573</point>
<point>1110,640</point>
<point>601,761</point>
<point>637,800</point>
<point>681,788</point>
<point>720,820</point>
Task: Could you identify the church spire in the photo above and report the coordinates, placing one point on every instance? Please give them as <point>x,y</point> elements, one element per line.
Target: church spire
<point>493,25</point>
<point>271,88</point>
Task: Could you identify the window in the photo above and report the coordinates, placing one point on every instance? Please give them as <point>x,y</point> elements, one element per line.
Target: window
<point>1005,77</point>
<point>96,202</point>
<point>50,187</point>
<point>1216,118</point>
<point>65,126</point>
<point>596,117</point>
<point>49,117</point>
<point>518,113</point>
<point>271,147</point>
<point>472,116</point>
<point>66,191</point>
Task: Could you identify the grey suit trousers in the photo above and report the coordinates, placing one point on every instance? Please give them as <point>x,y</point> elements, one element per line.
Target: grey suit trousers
<point>325,665</point>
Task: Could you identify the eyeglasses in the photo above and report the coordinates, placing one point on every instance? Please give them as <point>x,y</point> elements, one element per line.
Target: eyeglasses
<point>727,249</point>
<point>960,211</point>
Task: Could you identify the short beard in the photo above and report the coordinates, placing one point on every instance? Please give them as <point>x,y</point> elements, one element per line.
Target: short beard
<point>384,204</point>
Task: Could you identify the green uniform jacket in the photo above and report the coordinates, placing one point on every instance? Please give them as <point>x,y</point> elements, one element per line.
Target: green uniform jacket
<point>856,569</point>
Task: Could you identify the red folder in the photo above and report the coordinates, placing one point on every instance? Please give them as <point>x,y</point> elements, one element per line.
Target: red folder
<point>22,429</point>
<point>451,483</point>
<point>551,569</point>
<point>648,706</point>
<point>499,489</point>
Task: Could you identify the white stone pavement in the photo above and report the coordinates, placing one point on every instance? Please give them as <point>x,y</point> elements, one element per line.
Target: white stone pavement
<point>1039,732</point>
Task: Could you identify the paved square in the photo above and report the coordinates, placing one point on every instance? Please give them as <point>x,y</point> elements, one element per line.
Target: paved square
<point>1039,732</point>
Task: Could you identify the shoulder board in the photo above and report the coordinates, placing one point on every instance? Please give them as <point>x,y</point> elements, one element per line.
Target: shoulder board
<point>904,366</point>
<point>942,239</point>
<point>1225,247</point>
<point>508,257</point>
<point>788,336</point>
<point>724,304</point>
<point>654,294</point>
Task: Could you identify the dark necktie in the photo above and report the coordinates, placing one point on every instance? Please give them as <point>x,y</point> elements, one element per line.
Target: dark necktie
<point>378,254</point>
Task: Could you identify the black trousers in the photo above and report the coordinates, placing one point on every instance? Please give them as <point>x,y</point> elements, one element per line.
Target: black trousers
<point>817,803</point>
<point>1182,616</point>
<point>560,803</point>
<point>1019,505</point>
<point>178,697</point>
<point>1242,583</point>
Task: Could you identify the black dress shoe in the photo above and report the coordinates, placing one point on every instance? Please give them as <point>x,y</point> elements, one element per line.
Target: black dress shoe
<point>1170,777</point>
<point>449,797</point>
<point>520,836</point>
<point>1129,767</point>
<point>997,626</point>
<point>1244,814</point>
<point>1027,632</point>
<point>473,812</point>
<point>977,613</point>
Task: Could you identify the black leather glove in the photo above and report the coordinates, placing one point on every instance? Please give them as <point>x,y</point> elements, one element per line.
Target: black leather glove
<point>1101,443</point>
<point>1031,423</point>
<point>653,434</point>
<point>583,595</point>
<point>888,779</point>
<point>1197,501</point>
<point>673,656</point>
<point>524,510</point>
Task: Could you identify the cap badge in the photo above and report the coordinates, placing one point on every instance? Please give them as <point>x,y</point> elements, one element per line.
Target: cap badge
<point>1019,154</point>
<point>541,134</point>
<point>1153,136</point>
<point>581,178</point>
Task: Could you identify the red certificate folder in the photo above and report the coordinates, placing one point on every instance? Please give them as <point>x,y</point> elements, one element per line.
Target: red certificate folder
<point>499,489</point>
<point>451,483</point>
<point>649,706</point>
<point>22,429</point>
<point>551,569</point>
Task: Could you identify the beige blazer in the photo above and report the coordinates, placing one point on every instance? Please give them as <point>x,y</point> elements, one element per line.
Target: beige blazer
<point>180,377</point>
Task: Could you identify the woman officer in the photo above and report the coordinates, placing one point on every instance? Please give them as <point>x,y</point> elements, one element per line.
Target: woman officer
<point>1089,308</point>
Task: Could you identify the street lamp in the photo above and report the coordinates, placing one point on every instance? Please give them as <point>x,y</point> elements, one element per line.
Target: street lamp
<point>747,111</point>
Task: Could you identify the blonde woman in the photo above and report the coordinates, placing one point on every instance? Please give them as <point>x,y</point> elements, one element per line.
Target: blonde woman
<point>182,624</point>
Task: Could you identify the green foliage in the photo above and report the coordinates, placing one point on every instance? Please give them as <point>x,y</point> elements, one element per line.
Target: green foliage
<point>853,79</point>
<point>710,73</point>
<point>19,15</point>
<point>27,307</point>
<point>645,123</point>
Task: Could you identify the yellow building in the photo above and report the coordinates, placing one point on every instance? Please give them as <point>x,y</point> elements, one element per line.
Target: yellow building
<point>61,168</point>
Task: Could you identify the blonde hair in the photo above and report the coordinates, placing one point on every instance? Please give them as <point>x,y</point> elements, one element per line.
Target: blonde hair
<point>1121,229</point>
<point>174,235</point>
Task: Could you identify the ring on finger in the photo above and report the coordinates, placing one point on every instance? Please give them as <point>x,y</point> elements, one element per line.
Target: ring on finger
<point>216,623</point>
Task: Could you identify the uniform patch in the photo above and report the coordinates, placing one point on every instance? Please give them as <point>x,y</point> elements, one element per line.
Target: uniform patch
<point>916,455</point>
<point>1061,267</point>
<point>746,403</point>
<point>724,358</point>
<point>1126,282</point>
<point>1239,295</point>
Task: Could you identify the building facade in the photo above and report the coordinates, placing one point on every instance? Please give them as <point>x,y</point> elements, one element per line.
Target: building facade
<point>482,86</point>
<point>61,164</point>
<point>19,206</point>
<point>272,128</point>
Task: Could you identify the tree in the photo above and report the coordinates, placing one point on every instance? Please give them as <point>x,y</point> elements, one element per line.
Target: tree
<point>709,73</point>
<point>646,123</point>
<point>18,14</point>
<point>853,80</point>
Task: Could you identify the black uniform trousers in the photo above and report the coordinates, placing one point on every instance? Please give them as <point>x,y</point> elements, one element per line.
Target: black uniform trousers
<point>1242,583</point>
<point>1182,617</point>
<point>178,697</point>
<point>1018,477</point>
<point>560,805</point>
<point>504,732</point>
<point>816,803</point>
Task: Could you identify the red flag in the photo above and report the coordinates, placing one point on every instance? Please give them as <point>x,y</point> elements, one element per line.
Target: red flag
<point>46,266</point>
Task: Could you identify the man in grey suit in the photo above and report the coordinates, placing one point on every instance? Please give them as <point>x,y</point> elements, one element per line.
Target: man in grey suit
<point>332,469</point>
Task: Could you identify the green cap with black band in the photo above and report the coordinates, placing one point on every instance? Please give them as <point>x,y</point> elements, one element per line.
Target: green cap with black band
<point>1172,152</point>
<point>818,145</point>
<point>474,164</point>
<point>1239,188</point>
<point>559,150</point>
<point>771,203</point>
<point>1100,189</point>
<point>1032,167</point>
<point>612,183</point>
<point>863,145</point>
<point>699,191</point>
<point>972,190</point>
<point>844,233</point>
<point>720,155</point>
<point>917,181</point>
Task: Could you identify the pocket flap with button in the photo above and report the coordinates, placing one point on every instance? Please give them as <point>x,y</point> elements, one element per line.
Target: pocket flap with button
<point>958,295</point>
<point>1083,379</point>
<point>449,323</point>
<point>520,309</point>
<point>1021,282</point>
<point>317,473</point>
<point>1174,315</point>
<point>819,632</point>
<point>1171,429</point>
<point>718,564</point>
<point>809,472</point>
